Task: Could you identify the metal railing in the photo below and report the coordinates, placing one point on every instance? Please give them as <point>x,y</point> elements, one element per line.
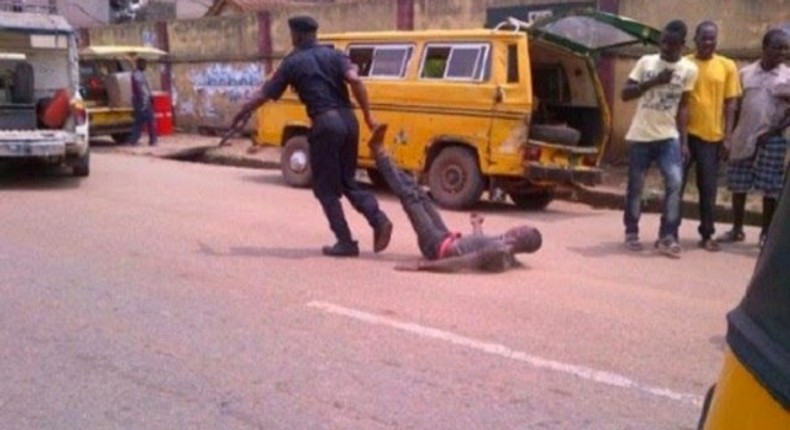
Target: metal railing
<point>29,6</point>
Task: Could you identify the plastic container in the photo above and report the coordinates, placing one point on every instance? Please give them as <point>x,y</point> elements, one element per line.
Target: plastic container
<point>163,112</point>
<point>56,112</point>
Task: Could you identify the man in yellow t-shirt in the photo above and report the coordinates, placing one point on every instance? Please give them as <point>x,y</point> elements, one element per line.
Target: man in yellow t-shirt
<point>712,107</point>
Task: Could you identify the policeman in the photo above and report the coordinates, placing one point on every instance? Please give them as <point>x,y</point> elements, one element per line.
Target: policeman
<point>319,75</point>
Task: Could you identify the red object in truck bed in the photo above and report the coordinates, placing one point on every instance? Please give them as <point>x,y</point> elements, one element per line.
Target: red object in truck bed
<point>57,111</point>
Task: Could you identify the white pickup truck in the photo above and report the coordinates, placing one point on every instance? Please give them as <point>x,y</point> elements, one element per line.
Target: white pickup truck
<point>42,117</point>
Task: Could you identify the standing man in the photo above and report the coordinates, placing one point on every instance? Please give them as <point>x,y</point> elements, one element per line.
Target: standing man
<point>757,147</point>
<point>662,83</point>
<point>319,75</point>
<point>142,104</point>
<point>712,107</point>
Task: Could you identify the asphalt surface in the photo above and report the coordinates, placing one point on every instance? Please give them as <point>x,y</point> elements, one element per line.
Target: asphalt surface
<point>158,294</point>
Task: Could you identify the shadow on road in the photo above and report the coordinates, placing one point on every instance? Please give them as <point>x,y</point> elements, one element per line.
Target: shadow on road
<point>27,177</point>
<point>291,253</point>
<point>607,249</point>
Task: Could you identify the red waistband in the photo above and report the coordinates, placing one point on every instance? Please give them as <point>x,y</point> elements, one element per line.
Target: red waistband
<point>445,245</point>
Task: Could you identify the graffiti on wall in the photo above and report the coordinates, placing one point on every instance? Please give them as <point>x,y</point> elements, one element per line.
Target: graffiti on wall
<point>234,82</point>
<point>210,93</point>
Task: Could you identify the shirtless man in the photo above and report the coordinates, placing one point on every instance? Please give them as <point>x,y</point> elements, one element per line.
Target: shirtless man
<point>442,249</point>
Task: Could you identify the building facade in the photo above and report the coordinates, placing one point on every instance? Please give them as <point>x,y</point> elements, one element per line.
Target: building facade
<point>218,59</point>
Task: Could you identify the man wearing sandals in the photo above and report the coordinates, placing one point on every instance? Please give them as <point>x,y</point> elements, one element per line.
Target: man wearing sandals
<point>757,148</point>
<point>712,108</point>
<point>662,84</point>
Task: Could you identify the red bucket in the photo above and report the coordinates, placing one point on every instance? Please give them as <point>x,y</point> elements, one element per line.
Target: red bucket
<point>163,112</point>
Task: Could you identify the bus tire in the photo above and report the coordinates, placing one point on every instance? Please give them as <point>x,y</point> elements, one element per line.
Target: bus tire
<point>559,134</point>
<point>295,162</point>
<point>23,91</point>
<point>454,178</point>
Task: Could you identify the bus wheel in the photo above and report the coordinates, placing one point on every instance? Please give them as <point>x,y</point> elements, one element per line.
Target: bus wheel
<point>295,162</point>
<point>454,178</point>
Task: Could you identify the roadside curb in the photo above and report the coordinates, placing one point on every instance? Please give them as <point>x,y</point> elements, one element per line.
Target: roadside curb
<point>602,199</point>
<point>240,154</point>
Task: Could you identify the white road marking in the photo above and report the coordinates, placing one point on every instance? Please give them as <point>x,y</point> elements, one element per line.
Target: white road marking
<point>590,374</point>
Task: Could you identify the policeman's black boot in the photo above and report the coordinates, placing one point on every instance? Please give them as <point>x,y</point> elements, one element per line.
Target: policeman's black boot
<point>342,249</point>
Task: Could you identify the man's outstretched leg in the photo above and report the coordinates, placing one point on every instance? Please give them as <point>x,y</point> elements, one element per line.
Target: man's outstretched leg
<point>424,218</point>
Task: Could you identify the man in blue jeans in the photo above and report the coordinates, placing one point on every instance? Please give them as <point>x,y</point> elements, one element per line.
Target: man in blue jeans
<point>662,84</point>
<point>143,105</point>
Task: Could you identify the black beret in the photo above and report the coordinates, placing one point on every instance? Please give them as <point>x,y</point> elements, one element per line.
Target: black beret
<point>303,24</point>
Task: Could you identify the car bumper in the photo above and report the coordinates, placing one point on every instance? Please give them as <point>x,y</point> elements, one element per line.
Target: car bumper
<point>586,176</point>
<point>57,146</point>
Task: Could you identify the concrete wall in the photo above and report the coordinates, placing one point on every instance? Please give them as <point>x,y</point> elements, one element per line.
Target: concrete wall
<point>742,23</point>
<point>364,15</point>
<point>458,14</point>
<point>215,66</point>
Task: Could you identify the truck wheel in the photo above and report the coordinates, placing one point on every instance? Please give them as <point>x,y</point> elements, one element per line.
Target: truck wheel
<point>559,134</point>
<point>121,138</point>
<point>81,167</point>
<point>454,178</point>
<point>532,201</point>
<point>295,162</point>
<point>23,91</point>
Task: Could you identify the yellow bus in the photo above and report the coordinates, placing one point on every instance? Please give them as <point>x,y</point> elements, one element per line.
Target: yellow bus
<point>516,111</point>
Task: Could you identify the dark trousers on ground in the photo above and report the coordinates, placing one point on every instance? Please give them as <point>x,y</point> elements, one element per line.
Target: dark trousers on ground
<point>141,118</point>
<point>333,139</point>
<point>704,156</point>
<point>424,218</point>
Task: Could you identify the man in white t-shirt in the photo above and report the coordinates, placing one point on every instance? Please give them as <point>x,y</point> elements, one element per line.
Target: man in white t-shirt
<point>662,82</point>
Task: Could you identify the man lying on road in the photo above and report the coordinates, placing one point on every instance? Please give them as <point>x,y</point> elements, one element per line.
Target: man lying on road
<point>447,251</point>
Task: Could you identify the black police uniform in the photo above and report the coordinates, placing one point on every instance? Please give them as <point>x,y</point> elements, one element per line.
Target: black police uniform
<point>317,73</point>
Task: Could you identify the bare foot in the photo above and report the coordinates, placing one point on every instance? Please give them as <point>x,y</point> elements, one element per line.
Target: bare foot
<point>376,141</point>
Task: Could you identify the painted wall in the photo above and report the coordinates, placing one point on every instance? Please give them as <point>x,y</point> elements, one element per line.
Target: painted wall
<point>215,67</point>
<point>452,14</point>
<point>334,18</point>
<point>742,23</point>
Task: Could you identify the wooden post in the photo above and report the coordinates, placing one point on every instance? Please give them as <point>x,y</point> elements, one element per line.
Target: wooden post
<point>265,40</point>
<point>405,12</point>
<point>163,40</point>
<point>607,63</point>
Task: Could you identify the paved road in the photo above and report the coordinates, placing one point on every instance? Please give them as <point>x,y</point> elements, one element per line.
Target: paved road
<point>162,295</point>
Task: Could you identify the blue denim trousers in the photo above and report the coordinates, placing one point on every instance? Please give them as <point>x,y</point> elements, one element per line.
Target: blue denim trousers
<point>670,161</point>
<point>143,117</point>
<point>424,218</point>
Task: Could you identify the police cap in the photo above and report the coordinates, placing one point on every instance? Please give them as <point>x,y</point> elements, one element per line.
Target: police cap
<point>303,24</point>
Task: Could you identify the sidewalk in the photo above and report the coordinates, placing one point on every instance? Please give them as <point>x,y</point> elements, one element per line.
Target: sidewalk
<point>610,194</point>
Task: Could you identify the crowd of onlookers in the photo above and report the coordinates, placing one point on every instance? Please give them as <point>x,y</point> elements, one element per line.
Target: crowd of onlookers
<point>700,110</point>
